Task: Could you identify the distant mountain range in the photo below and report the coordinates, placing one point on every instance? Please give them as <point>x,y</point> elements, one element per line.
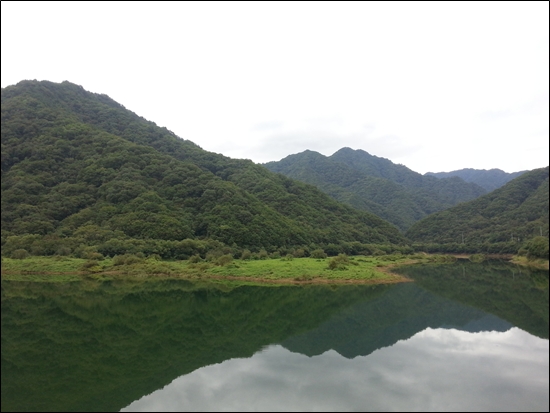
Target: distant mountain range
<point>393,192</point>
<point>512,213</point>
<point>488,179</point>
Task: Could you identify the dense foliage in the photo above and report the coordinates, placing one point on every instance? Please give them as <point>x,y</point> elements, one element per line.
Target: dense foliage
<point>393,192</point>
<point>81,173</point>
<point>488,179</point>
<point>501,221</point>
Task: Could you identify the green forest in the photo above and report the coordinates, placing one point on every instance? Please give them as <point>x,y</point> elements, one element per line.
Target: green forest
<point>83,176</point>
<point>513,218</point>
<point>81,173</point>
<point>393,192</point>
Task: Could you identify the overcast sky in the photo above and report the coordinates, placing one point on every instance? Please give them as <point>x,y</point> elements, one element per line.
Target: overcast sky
<point>433,86</point>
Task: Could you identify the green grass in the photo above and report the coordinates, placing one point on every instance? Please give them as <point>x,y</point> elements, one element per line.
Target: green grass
<point>538,263</point>
<point>368,269</point>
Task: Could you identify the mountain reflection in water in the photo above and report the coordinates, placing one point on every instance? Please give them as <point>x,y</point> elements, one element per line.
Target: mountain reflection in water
<point>436,370</point>
<point>92,346</point>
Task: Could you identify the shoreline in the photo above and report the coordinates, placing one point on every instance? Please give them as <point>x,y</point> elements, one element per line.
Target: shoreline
<point>365,270</point>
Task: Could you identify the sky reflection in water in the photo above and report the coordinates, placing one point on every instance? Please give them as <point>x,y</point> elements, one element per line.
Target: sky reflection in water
<point>435,370</point>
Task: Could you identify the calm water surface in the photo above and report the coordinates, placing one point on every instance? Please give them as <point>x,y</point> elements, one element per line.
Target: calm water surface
<point>463,337</point>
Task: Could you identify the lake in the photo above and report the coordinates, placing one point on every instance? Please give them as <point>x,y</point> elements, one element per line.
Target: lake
<point>462,337</point>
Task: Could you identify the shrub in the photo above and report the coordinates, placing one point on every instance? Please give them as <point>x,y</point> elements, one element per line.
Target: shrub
<point>119,259</point>
<point>195,258</point>
<point>299,253</point>
<point>537,248</point>
<point>88,264</point>
<point>224,260</point>
<point>155,257</point>
<point>246,255</point>
<point>132,259</point>
<point>126,259</point>
<point>318,253</point>
<point>95,256</point>
<point>63,251</point>
<point>339,263</point>
<point>262,255</point>
<point>19,254</point>
<point>83,251</point>
<point>202,267</point>
<point>213,255</point>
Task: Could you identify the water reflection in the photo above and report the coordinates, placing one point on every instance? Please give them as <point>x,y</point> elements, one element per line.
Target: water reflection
<point>93,346</point>
<point>103,346</point>
<point>516,294</point>
<point>435,370</point>
<point>405,310</point>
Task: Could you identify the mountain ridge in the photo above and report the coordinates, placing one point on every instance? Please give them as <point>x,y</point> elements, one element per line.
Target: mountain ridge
<point>391,191</point>
<point>513,213</point>
<point>489,179</point>
<point>79,168</point>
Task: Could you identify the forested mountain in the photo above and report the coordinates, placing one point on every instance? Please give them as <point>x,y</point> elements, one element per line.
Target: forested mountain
<point>512,214</point>
<point>79,171</point>
<point>488,179</point>
<point>393,192</point>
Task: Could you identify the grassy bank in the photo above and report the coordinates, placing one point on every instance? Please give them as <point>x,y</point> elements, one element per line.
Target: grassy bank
<point>341,269</point>
<point>539,264</point>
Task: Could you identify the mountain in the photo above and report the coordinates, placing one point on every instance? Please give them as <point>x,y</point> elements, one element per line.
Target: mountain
<point>393,192</point>
<point>81,172</point>
<point>488,179</point>
<point>502,219</point>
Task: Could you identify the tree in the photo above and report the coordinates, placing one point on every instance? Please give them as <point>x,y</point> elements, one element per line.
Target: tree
<point>537,248</point>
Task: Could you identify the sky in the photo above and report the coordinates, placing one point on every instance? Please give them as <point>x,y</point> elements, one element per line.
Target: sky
<point>433,86</point>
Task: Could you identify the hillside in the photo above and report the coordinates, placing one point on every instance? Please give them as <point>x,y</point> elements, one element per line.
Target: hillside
<point>497,222</point>
<point>80,172</point>
<point>488,179</point>
<point>393,192</point>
